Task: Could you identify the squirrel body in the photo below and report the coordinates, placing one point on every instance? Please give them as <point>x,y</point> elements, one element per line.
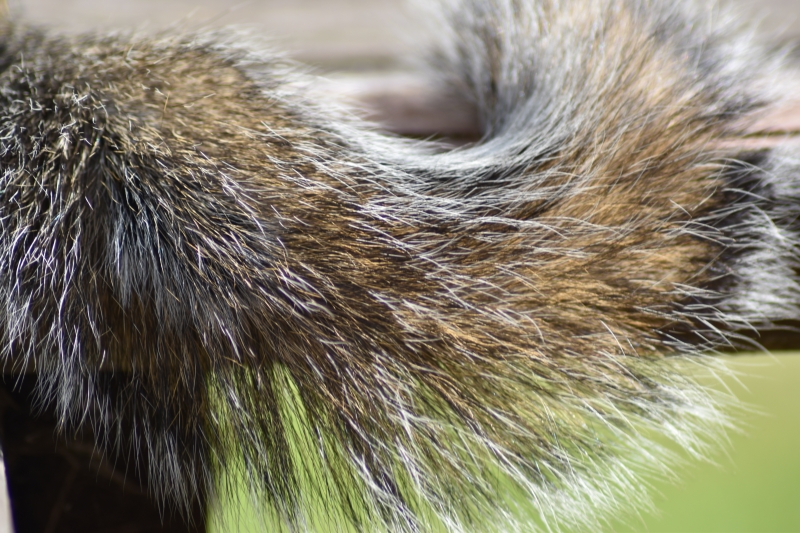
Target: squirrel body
<point>211,267</point>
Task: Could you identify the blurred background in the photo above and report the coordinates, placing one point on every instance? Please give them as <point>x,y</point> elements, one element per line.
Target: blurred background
<point>752,486</point>
<point>332,33</point>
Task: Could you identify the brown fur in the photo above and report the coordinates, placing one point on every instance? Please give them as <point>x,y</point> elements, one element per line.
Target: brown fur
<point>179,210</point>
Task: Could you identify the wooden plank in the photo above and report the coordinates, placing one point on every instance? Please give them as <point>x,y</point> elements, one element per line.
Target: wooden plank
<point>410,104</point>
<point>360,45</point>
<point>405,103</point>
<point>334,33</point>
<point>6,519</point>
<point>325,32</point>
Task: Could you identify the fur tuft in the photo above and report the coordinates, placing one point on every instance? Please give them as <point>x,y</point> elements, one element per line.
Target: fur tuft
<point>217,272</point>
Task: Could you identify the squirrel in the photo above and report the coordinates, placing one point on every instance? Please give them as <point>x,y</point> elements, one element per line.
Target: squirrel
<point>215,268</point>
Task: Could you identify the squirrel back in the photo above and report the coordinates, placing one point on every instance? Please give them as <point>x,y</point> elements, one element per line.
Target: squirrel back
<point>217,270</point>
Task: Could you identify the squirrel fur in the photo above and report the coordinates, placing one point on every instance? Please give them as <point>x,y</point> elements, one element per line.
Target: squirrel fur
<point>211,265</point>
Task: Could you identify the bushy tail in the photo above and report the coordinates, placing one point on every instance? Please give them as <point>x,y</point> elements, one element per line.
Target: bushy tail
<point>220,274</point>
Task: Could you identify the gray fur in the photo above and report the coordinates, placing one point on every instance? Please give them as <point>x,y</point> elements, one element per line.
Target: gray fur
<point>214,269</point>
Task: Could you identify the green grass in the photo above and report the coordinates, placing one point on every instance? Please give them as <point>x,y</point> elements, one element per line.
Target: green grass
<point>753,487</point>
<point>756,486</point>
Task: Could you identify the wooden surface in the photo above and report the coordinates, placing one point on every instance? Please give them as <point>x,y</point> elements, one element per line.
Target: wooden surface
<point>334,33</point>
<point>361,47</point>
<point>319,30</point>
<point>6,523</point>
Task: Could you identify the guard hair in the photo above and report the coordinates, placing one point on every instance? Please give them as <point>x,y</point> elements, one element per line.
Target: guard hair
<point>218,270</point>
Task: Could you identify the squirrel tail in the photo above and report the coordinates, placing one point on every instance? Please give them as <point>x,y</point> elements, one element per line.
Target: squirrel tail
<point>217,273</point>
